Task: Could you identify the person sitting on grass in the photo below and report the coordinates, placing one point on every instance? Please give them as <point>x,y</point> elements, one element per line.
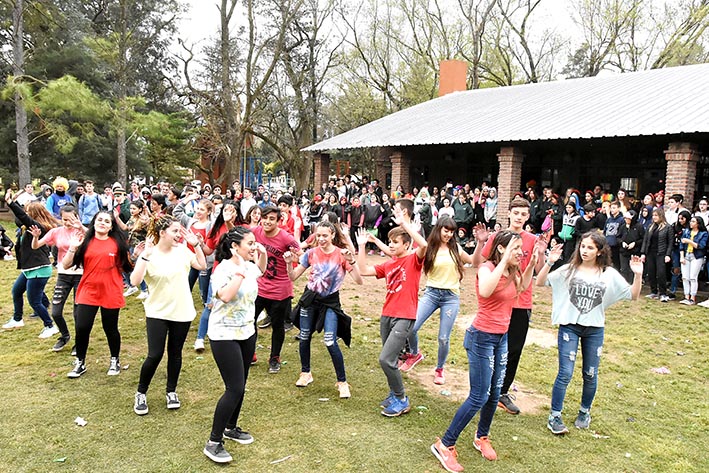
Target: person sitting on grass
<point>582,290</point>
<point>402,274</point>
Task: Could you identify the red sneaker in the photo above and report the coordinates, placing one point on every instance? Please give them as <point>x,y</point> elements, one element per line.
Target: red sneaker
<point>448,456</point>
<point>410,362</point>
<point>484,446</point>
<point>438,378</point>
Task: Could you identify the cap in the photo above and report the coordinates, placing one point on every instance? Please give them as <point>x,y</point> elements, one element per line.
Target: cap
<point>628,215</point>
<point>119,190</point>
<point>589,208</point>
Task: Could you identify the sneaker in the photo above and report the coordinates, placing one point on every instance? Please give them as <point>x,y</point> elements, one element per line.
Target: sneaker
<point>265,323</point>
<point>344,389</point>
<point>73,350</point>
<point>79,369</point>
<point>704,304</point>
<point>484,446</point>
<point>556,425</point>
<point>672,296</point>
<point>238,435</point>
<point>664,298</point>
<point>130,291</point>
<point>61,343</point>
<point>173,402</point>
<point>274,364</point>
<point>215,452</point>
<point>583,420</point>
<point>115,367</point>
<point>448,456</point>
<point>506,403</point>
<point>48,332</point>
<point>397,407</point>
<point>304,380</point>
<point>14,323</point>
<point>690,302</point>
<point>140,406</point>
<point>410,362</point>
<point>199,345</point>
<point>254,360</point>
<point>438,377</point>
<point>288,326</point>
<point>686,302</point>
<point>652,295</point>
<point>8,258</point>
<point>142,296</point>
<point>387,402</point>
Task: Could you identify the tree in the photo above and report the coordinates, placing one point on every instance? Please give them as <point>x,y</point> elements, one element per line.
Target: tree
<point>18,70</point>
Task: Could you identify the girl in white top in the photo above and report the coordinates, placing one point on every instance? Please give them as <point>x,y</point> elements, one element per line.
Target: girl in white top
<point>232,332</point>
<point>169,309</point>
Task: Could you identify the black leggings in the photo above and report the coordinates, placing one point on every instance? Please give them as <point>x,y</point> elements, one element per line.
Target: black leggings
<point>159,331</point>
<point>516,335</point>
<point>65,283</point>
<point>657,273</point>
<point>85,315</point>
<point>233,359</point>
<point>278,311</point>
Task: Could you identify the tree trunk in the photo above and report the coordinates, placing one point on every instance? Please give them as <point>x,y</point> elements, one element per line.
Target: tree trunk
<point>122,79</point>
<point>21,133</point>
<point>122,174</point>
<point>232,136</point>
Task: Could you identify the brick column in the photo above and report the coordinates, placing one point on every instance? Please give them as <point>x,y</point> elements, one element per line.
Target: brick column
<point>321,161</point>
<point>400,171</point>
<point>383,168</point>
<point>509,180</point>
<point>681,171</point>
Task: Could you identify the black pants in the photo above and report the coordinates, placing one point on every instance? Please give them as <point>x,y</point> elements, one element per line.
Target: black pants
<point>615,256</point>
<point>85,315</point>
<point>657,273</point>
<point>233,359</point>
<point>65,283</point>
<point>159,331</point>
<point>516,335</point>
<point>278,311</point>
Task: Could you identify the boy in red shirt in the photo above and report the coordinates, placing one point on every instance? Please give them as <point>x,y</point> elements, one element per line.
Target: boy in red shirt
<point>402,274</point>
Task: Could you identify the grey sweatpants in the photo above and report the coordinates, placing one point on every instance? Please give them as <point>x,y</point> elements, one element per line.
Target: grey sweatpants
<point>394,332</point>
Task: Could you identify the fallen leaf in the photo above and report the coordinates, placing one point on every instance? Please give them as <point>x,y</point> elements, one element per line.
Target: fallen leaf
<point>422,408</point>
<point>680,353</point>
<point>60,460</point>
<point>125,367</point>
<point>280,460</point>
<point>80,421</point>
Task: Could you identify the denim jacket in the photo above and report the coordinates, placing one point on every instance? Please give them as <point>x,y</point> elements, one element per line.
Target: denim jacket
<point>700,238</point>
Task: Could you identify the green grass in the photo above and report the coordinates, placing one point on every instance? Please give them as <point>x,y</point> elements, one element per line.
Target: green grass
<point>654,422</point>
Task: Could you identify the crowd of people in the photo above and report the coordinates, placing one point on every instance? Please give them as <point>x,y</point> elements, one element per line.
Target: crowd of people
<point>245,247</point>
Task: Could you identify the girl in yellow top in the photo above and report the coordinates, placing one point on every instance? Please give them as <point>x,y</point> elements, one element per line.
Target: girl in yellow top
<point>443,266</point>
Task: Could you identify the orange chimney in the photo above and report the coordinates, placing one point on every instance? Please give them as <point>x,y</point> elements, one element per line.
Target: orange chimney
<point>453,77</point>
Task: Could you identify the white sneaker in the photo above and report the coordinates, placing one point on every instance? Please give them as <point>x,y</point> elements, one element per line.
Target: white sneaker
<point>142,296</point>
<point>115,368</point>
<point>48,332</point>
<point>199,345</point>
<point>14,324</point>
<point>130,291</point>
<point>9,258</point>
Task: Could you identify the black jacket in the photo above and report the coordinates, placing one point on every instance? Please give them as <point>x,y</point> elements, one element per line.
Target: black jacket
<point>27,258</point>
<point>634,234</point>
<point>665,239</point>
<point>320,304</point>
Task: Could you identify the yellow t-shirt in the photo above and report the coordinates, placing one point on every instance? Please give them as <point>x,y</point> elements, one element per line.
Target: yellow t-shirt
<point>690,248</point>
<point>169,292</point>
<point>444,274</point>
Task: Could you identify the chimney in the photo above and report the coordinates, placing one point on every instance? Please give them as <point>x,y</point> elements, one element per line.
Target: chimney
<point>453,77</point>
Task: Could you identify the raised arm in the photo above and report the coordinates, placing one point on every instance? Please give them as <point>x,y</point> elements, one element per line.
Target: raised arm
<point>553,257</point>
<point>481,235</point>
<point>636,266</point>
<point>364,268</point>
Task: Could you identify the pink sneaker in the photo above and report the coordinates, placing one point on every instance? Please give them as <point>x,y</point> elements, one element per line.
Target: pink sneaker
<point>438,378</point>
<point>484,446</point>
<point>448,456</point>
<point>410,362</point>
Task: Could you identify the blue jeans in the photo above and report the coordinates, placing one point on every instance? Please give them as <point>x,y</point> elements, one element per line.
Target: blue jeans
<point>676,271</point>
<point>432,299</point>
<point>487,362</point>
<point>591,347</point>
<point>203,278</point>
<point>204,318</point>
<point>35,296</point>
<point>330,338</point>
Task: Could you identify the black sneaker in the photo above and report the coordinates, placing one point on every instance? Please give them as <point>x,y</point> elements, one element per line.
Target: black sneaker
<point>238,435</point>
<point>274,364</point>
<point>79,369</point>
<point>583,420</point>
<point>140,406</point>
<point>265,322</point>
<point>215,452</point>
<point>173,402</point>
<point>288,326</point>
<point>506,403</point>
<point>61,343</point>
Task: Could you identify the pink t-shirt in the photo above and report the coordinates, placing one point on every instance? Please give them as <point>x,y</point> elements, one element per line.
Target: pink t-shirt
<point>328,270</point>
<point>495,312</point>
<point>60,237</point>
<point>524,300</point>
<point>275,283</point>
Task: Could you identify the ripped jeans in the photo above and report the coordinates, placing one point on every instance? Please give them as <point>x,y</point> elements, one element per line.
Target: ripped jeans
<point>432,299</point>
<point>329,337</point>
<point>591,347</point>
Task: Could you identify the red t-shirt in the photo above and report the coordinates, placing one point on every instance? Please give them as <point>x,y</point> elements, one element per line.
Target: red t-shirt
<point>102,282</point>
<point>524,300</point>
<point>212,242</point>
<point>402,278</point>
<point>197,231</point>
<point>495,312</point>
<point>287,225</point>
<point>275,283</point>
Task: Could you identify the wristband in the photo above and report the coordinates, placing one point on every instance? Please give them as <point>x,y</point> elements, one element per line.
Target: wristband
<point>144,258</point>
<point>549,263</point>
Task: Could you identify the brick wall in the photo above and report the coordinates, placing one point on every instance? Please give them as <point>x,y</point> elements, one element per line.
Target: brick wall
<point>400,171</point>
<point>681,170</point>
<point>509,180</point>
<point>321,161</point>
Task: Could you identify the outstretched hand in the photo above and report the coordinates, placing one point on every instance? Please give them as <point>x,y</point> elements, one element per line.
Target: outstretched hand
<point>362,237</point>
<point>35,231</point>
<point>481,232</point>
<point>555,253</point>
<point>636,265</point>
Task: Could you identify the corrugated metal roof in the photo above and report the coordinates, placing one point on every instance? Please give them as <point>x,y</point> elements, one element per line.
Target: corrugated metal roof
<point>656,102</point>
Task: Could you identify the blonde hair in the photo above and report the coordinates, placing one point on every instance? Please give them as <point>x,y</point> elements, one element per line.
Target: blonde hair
<point>61,181</point>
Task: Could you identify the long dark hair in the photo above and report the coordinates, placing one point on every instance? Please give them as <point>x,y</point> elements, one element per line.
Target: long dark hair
<point>122,258</point>
<point>338,238</point>
<point>434,243</point>
<point>235,235</point>
<point>219,221</point>
<point>504,238</point>
<point>603,260</point>
<point>687,216</point>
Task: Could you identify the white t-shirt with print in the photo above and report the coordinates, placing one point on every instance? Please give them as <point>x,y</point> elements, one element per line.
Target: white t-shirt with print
<point>233,320</point>
<point>583,298</point>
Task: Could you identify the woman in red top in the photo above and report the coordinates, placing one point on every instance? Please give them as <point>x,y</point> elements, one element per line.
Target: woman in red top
<point>499,281</point>
<point>103,254</point>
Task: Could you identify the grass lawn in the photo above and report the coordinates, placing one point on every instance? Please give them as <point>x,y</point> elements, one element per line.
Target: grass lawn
<point>642,421</point>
